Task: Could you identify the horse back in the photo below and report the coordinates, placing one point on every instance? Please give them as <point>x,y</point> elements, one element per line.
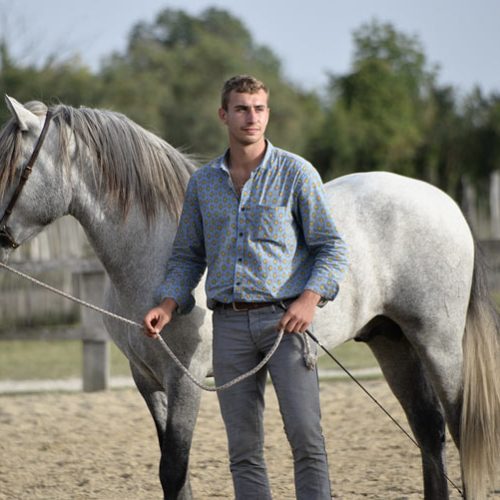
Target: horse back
<point>410,249</point>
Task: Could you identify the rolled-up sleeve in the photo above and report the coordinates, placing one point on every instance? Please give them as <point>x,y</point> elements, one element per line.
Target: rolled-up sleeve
<point>321,236</point>
<point>188,260</point>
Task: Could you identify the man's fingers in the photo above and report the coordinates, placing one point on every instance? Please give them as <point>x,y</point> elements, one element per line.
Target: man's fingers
<point>162,321</point>
<point>287,323</point>
<point>292,324</point>
<point>155,321</point>
<point>153,324</point>
<point>150,331</point>
<point>283,322</point>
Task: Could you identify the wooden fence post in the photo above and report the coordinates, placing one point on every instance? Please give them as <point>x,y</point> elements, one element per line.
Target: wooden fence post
<point>469,204</point>
<point>495,204</point>
<point>90,286</point>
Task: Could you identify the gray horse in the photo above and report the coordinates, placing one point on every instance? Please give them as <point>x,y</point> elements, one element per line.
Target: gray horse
<point>414,291</point>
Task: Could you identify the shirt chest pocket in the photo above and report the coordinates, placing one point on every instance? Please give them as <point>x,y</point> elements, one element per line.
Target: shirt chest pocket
<point>272,224</point>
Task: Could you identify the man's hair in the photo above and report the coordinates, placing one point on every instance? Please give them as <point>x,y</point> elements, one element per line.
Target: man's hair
<point>244,84</point>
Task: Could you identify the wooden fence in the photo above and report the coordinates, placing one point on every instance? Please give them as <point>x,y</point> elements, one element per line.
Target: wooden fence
<point>88,280</point>
<point>491,251</point>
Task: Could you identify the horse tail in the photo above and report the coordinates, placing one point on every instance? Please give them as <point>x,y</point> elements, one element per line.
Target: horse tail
<point>480,419</point>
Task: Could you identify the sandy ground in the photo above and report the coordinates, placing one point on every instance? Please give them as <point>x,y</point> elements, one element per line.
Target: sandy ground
<point>103,446</point>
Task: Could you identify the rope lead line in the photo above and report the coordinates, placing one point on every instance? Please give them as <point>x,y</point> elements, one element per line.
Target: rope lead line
<point>164,345</point>
<point>367,392</point>
<point>236,380</point>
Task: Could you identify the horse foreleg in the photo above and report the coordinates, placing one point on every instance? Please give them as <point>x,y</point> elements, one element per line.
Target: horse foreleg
<point>184,403</point>
<point>405,375</point>
<point>174,411</point>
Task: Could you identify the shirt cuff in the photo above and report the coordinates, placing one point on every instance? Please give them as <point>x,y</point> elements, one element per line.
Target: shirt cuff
<point>184,304</point>
<point>326,292</point>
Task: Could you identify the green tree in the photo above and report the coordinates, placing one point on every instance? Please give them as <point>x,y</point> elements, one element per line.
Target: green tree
<point>67,81</point>
<point>170,77</point>
<point>439,159</point>
<point>481,119</point>
<point>376,114</point>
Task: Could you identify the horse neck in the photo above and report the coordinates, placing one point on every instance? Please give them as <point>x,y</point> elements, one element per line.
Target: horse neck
<point>133,252</point>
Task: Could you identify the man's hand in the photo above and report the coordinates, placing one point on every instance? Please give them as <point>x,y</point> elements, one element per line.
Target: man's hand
<point>158,317</point>
<point>300,313</point>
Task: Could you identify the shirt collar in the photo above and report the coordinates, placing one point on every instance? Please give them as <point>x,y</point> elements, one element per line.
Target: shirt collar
<point>221,161</point>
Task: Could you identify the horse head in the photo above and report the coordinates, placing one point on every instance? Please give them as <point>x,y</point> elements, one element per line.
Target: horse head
<point>34,190</point>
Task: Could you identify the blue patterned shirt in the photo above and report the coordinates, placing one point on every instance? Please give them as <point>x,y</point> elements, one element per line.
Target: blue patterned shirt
<point>272,242</point>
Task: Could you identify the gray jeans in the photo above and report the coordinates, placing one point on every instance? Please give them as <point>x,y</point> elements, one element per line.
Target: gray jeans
<point>241,339</point>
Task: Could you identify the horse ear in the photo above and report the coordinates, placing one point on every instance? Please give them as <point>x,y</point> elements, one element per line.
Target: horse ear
<point>25,118</point>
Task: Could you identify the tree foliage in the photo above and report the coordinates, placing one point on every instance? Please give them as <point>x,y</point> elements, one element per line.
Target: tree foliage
<point>174,69</point>
<point>377,112</point>
<point>70,82</point>
<point>387,113</point>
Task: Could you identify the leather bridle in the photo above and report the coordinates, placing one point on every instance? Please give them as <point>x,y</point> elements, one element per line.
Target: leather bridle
<point>6,238</point>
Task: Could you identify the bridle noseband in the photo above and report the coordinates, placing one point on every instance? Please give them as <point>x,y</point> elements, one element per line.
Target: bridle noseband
<point>6,238</point>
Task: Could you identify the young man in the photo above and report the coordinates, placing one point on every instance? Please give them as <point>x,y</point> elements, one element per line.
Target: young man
<point>256,218</point>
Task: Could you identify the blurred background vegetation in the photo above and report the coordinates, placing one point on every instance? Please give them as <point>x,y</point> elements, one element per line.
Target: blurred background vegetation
<point>387,113</point>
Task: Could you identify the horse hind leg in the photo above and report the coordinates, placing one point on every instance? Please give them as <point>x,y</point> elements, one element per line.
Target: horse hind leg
<point>174,412</point>
<point>410,384</point>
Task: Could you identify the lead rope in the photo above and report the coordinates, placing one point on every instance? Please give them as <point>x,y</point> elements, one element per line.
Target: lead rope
<point>164,345</point>
<point>238,379</point>
<point>307,334</point>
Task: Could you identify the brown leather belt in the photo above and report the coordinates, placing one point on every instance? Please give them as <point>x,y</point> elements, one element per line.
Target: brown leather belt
<point>249,306</point>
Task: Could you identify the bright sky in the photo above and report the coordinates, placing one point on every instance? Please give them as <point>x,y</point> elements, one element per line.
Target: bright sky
<point>311,37</point>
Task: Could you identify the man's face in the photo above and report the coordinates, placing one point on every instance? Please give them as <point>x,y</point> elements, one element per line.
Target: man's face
<point>246,116</point>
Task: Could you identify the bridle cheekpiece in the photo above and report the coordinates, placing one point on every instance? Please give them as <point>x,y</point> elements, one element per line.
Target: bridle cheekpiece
<point>6,238</point>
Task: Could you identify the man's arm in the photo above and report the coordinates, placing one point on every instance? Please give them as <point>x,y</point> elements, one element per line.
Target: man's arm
<point>184,269</point>
<point>323,241</point>
<point>325,245</point>
<point>188,260</point>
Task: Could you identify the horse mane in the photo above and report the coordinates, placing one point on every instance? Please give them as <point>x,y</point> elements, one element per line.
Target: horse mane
<point>10,150</point>
<point>130,164</point>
